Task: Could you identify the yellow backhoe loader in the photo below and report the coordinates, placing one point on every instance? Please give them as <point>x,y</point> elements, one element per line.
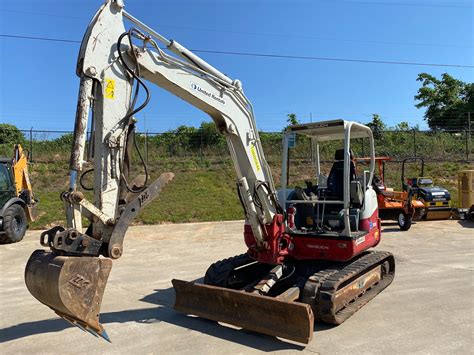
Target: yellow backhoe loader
<point>17,202</point>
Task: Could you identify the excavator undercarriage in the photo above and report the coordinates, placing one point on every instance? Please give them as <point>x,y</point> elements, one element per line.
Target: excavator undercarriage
<point>304,292</point>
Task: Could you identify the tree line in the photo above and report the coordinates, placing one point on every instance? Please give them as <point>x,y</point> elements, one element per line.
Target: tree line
<point>448,103</point>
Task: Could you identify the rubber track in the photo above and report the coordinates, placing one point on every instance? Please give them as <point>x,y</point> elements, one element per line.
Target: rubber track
<point>344,276</point>
<point>4,239</point>
<point>217,273</point>
<point>312,287</point>
<point>320,289</point>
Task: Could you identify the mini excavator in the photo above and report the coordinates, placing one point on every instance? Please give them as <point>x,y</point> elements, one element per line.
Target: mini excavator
<point>289,276</point>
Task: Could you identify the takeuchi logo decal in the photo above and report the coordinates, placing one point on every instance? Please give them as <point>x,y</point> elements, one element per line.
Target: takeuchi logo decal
<point>203,91</point>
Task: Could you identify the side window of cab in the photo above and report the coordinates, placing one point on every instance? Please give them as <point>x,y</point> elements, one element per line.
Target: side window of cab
<point>4,178</point>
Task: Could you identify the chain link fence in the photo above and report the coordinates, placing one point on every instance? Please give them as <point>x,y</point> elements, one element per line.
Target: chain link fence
<point>204,145</point>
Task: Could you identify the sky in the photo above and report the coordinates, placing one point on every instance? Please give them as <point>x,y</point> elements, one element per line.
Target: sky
<point>39,86</point>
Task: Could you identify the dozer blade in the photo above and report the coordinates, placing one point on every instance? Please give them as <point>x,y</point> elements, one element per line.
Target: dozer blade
<point>267,315</point>
<point>72,286</point>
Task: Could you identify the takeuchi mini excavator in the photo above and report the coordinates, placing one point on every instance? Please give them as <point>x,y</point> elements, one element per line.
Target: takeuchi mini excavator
<point>289,275</point>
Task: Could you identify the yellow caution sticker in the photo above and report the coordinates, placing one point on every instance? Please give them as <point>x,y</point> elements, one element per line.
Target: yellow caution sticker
<point>253,151</point>
<point>109,88</point>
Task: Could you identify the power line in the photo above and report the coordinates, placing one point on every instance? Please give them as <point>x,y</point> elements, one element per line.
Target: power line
<point>356,2</point>
<point>45,14</point>
<point>271,55</point>
<point>334,59</point>
<point>40,38</point>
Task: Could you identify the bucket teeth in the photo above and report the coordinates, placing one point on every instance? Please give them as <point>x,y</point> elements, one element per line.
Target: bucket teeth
<point>105,336</point>
<point>92,332</point>
<point>86,328</point>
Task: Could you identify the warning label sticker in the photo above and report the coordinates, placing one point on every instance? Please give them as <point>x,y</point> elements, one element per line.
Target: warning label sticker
<point>109,88</point>
<point>253,151</point>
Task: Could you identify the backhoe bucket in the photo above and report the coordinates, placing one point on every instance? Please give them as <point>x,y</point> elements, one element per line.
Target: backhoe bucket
<point>72,286</point>
<point>263,314</point>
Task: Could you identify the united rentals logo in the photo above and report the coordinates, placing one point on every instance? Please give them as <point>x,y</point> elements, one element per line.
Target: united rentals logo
<point>203,91</point>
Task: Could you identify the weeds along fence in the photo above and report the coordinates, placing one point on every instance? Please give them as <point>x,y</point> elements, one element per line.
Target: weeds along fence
<point>208,146</point>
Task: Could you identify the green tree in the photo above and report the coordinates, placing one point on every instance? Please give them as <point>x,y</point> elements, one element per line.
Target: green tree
<point>10,134</point>
<point>65,140</point>
<point>291,119</point>
<point>377,126</point>
<point>210,135</point>
<point>447,101</point>
<point>402,126</point>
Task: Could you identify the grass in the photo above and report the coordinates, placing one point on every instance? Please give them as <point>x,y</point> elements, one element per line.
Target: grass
<point>50,210</point>
<point>204,190</point>
<point>193,196</point>
<point>197,193</point>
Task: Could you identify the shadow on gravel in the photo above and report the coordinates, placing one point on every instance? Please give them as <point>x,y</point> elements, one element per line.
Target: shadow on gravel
<point>254,340</point>
<point>164,313</point>
<point>389,226</point>
<point>393,227</point>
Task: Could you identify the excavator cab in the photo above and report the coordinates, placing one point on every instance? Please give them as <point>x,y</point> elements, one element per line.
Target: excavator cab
<point>341,202</point>
<point>324,270</point>
<point>335,179</point>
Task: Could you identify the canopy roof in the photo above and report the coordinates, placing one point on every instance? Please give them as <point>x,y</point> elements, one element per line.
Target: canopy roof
<point>331,130</point>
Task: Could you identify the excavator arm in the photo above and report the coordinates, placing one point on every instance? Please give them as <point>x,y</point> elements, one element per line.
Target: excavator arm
<point>111,69</point>
<point>114,64</point>
<point>22,181</point>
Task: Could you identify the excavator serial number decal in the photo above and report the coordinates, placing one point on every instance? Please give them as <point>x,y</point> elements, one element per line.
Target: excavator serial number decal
<point>253,151</point>
<point>109,88</point>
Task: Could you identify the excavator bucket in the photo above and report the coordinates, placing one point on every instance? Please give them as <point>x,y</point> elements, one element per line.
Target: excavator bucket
<point>72,286</point>
<point>263,314</point>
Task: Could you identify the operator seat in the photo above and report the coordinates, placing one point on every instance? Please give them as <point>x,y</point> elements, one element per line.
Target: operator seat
<point>335,183</point>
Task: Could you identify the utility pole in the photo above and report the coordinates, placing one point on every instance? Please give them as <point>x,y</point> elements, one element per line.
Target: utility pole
<point>414,142</point>
<point>468,135</point>
<point>146,147</point>
<point>146,139</point>
<point>31,145</point>
<point>311,145</point>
